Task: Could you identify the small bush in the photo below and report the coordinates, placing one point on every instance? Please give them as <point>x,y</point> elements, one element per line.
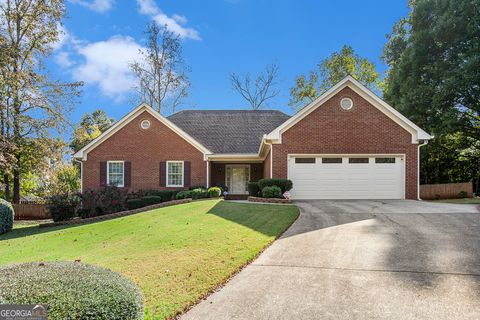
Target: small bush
<point>283,184</point>
<point>63,206</point>
<point>199,193</point>
<point>272,192</point>
<point>166,195</point>
<point>253,189</point>
<point>214,192</point>
<point>463,194</point>
<point>184,194</point>
<point>6,216</point>
<point>150,200</point>
<point>71,290</point>
<point>134,204</point>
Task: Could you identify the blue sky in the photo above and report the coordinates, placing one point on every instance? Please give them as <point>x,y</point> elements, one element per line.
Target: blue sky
<point>219,37</point>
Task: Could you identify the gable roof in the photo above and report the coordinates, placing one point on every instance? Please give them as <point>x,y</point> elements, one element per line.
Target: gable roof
<point>364,92</point>
<point>82,153</point>
<point>229,131</point>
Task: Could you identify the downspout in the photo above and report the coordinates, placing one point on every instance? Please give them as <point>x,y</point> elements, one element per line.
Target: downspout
<point>423,143</point>
<point>271,157</point>
<point>81,173</point>
<point>208,173</point>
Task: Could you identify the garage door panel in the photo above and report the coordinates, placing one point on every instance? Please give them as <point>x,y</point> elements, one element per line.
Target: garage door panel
<point>347,180</point>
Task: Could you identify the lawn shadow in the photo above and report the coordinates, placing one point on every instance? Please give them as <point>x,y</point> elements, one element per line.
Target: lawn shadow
<point>31,231</point>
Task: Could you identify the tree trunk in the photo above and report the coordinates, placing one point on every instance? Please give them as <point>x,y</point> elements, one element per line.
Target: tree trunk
<point>16,186</point>
<point>6,181</point>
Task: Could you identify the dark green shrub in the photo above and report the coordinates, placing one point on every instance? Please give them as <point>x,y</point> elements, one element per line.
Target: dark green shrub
<point>214,192</point>
<point>6,216</point>
<point>283,184</point>
<point>63,206</point>
<point>463,194</point>
<point>72,290</point>
<point>134,204</point>
<point>150,200</point>
<point>199,193</point>
<point>272,192</point>
<point>184,194</point>
<point>253,189</point>
<point>166,195</point>
<point>108,200</point>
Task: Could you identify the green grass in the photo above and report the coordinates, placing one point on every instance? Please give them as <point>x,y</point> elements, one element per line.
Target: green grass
<point>176,254</point>
<point>460,201</point>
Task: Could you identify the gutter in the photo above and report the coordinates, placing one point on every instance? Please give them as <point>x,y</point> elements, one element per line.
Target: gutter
<point>421,144</point>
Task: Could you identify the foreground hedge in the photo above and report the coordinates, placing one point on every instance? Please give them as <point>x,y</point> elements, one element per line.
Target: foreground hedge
<point>71,290</point>
<point>6,216</point>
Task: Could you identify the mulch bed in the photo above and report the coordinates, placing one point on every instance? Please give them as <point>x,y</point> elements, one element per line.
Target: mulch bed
<point>269,200</point>
<point>114,215</point>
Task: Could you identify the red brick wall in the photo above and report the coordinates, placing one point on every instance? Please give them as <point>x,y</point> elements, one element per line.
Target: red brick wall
<point>362,129</point>
<point>144,149</point>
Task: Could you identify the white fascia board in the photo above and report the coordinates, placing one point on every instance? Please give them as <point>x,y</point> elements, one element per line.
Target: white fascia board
<point>417,132</point>
<point>82,153</point>
<point>234,157</point>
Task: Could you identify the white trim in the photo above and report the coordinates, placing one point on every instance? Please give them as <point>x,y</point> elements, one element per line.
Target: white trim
<point>183,174</point>
<point>417,132</point>
<point>418,168</point>
<point>82,153</point>
<point>345,155</point>
<point>123,172</point>
<point>234,157</point>
<point>208,173</point>
<point>147,122</point>
<point>238,165</point>
<point>347,99</point>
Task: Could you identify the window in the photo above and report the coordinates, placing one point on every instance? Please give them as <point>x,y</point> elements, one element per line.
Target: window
<point>115,173</point>
<point>174,173</point>
<point>357,160</point>
<point>304,160</point>
<point>346,103</point>
<point>384,160</point>
<point>145,124</point>
<point>331,160</point>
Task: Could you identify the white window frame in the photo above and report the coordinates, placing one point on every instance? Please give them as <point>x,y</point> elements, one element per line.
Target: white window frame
<point>108,172</point>
<point>183,174</point>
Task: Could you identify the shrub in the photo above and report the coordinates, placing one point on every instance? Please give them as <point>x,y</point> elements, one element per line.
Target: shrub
<point>108,200</point>
<point>166,195</point>
<point>63,206</point>
<point>150,200</point>
<point>214,192</point>
<point>72,290</point>
<point>283,184</point>
<point>272,192</point>
<point>199,193</point>
<point>463,194</point>
<point>253,189</point>
<point>134,204</point>
<point>6,216</point>
<point>184,194</point>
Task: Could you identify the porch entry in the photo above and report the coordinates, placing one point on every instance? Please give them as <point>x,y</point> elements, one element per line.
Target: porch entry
<point>237,177</point>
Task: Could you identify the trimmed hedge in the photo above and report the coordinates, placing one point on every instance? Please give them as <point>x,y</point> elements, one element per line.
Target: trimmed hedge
<point>272,192</point>
<point>134,204</point>
<point>63,206</point>
<point>6,216</point>
<point>214,192</point>
<point>166,195</point>
<point>199,193</point>
<point>254,189</point>
<point>184,194</point>
<point>283,184</point>
<point>72,290</point>
<point>150,200</point>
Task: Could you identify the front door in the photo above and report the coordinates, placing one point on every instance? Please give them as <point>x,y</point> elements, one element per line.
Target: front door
<point>237,178</point>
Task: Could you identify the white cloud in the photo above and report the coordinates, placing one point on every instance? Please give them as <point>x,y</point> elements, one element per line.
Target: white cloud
<point>96,5</point>
<point>63,37</point>
<point>107,65</point>
<point>175,23</point>
<point>63,59</point>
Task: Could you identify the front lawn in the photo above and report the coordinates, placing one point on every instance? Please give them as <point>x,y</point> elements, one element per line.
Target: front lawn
<point>175,254</point>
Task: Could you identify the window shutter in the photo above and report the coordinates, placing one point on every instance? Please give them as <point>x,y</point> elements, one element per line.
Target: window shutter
<point>103,174</point>
<point>127,174</point>
<point>186,174</point>
<point>163,174</point>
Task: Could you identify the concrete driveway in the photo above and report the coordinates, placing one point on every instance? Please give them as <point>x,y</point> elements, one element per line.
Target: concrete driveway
<point>361,260</point>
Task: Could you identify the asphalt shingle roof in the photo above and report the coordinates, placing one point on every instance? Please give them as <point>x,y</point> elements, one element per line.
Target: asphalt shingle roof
<point>229,131</point>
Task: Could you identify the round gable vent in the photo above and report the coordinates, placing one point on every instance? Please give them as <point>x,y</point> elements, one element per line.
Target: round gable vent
<point>346,103</point>
<point>145,124</point>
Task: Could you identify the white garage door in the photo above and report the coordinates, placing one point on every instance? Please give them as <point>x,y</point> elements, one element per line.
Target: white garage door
<point>347,177</point>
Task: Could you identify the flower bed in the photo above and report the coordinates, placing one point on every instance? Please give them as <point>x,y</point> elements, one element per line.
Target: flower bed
<point>269,200</point>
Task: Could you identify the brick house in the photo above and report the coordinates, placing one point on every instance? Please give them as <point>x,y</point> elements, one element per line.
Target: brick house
<point>347,144</point>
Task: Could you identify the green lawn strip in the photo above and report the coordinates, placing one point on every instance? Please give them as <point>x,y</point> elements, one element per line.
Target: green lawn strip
<point>460,201</point>
<point>175,254</point>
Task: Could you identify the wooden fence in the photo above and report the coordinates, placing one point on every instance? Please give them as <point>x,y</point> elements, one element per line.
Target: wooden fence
<point>445,191</point>
<point>31,211</point>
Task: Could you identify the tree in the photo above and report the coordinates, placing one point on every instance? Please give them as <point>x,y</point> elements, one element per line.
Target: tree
<point>330,71</point>
<point>433,78</point>
<point>261,90</point>
<point>32,105</point>
<point>90,127</point>
<point>66,180</point>
<point>163,81</point>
